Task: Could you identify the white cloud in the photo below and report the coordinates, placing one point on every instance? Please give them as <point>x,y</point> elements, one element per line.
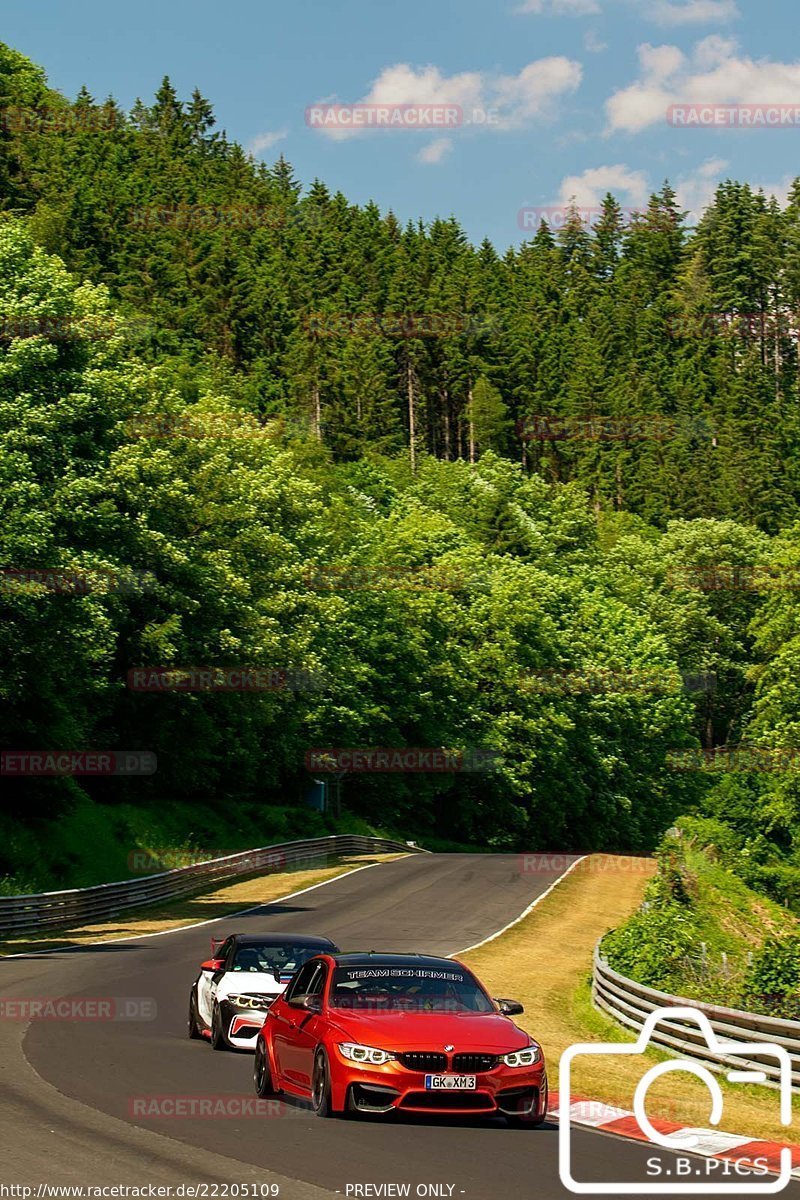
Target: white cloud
<point>264,141</point>
<point>487,101</point>
<point>435,151</point>
<point>692,12</point>
<point>527,95</point>
<point>779,190</point>
<point>715,74</point>
<point>593,44</point>
<point>560,8</point>
<point>590,187</point>
<point>714,51</point>
<point>636,107</point>
<point>663,12</point>
<point>696,191</point>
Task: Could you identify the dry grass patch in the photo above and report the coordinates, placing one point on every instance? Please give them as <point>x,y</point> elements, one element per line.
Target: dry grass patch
<point>223,901</point>
<point>545,963</point>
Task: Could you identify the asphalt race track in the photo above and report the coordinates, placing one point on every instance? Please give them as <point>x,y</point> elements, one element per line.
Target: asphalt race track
<point>67,1087</point>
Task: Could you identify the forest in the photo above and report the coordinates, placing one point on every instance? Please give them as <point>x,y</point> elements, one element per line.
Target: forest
<point>537,505</point>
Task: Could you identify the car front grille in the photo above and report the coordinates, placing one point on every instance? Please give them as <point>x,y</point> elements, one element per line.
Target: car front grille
<point>444,1101</point>
<point>474,1064</point>
<point>421,1060</point>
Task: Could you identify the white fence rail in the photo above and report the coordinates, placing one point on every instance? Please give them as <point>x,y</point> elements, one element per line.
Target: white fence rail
<point>53,910</point>
<point>631,1003</point>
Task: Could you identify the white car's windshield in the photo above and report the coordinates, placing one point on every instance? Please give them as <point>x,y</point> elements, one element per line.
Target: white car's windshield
<point>271,957</point>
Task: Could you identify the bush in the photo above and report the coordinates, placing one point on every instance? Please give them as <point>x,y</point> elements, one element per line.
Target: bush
<point>780,881</point>
<point>652,946</point>
<point>772,984</point>
<point>718,840</point>
<point>674,883</point>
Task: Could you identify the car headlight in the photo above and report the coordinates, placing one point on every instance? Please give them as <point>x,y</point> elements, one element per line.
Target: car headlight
<point>368,1055</point>
<point>523,1058</point>
<point>246,1001</point>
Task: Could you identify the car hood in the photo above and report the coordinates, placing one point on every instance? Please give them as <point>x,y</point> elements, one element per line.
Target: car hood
<point>480,1033</point>
<point>247,982</point>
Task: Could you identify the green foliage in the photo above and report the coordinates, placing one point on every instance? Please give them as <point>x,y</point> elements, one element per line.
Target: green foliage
<point>226,256</point>
<point>95,843</point>
<point>652,946</point>
<point>388,451</point>
<point>701,932</point>
<point>772,984</point>
<point>479,580</point>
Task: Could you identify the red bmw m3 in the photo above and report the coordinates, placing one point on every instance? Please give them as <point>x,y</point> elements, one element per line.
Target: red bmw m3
<point>382,1033</point>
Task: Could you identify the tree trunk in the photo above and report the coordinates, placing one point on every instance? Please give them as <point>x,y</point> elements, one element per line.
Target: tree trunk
<point>446,422</point>
<point>777,360</point>
<point>412,428</point>
<point>317,412</point>
<point>471,426</point>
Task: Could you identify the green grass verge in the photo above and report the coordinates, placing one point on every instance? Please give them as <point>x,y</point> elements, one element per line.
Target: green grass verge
<point>93,843</point>
<point>222,901</point>
<point>700,927</point>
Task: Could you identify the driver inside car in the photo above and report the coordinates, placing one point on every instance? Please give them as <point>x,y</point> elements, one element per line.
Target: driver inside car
<point>247,960</point>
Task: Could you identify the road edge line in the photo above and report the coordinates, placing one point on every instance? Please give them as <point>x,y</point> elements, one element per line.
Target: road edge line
<point>524,914</point>
<point>243,912</point>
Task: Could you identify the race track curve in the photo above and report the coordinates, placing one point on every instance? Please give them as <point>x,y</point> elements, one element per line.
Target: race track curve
<point>67,1087</point>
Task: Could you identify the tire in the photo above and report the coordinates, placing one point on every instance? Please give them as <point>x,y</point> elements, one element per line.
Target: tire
<point>321,1086</point>
<point>217,1036</point>
<point>525,1122</point>
<point>193,1023</point>
<point>262,1073</point>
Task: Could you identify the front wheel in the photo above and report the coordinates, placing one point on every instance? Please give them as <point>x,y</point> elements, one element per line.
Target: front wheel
<point>193,1023</point>
<point>217,1036</point>
<point>321,1086</point>
<point>525,1122</point>
<point>262,1075</point>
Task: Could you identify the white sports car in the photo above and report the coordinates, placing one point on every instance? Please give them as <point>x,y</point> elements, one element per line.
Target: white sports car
<point>230,997</point>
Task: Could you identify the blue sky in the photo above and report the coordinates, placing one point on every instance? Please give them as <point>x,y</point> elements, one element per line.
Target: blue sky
<point>572,94</point>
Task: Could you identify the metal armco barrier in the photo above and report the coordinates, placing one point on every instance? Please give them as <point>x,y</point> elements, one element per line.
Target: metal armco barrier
<point>631,1003</point>
<point>53,910</point>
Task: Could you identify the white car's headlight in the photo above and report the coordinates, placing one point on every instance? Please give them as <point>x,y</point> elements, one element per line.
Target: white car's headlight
<point>370,1056</point>
<point>250,1001</point>
<point>523,1058</point>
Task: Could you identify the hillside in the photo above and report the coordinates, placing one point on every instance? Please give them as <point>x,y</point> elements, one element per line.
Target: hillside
<point>537,507</point>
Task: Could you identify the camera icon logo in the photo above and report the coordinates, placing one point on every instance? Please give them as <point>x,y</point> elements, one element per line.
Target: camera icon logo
<point>681,1142</point>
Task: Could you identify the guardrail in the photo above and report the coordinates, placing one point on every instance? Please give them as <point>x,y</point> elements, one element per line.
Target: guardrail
<point>631,1003</point>
<point>52,910</point>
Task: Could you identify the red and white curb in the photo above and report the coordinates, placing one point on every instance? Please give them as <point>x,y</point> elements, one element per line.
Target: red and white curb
<point>711,1143</point>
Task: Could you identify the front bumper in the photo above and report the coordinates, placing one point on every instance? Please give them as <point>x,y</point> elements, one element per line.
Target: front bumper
<point>504,1091</point>
<point>241,1025</point>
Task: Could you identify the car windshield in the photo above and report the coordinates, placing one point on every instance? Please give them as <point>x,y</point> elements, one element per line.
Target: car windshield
<point>272,957</point>
<point>408,989</point>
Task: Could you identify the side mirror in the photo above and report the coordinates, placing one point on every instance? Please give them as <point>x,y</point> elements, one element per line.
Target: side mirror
<point>213,964</point>
<point>509,1008</point>
<point>311,1003</point>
